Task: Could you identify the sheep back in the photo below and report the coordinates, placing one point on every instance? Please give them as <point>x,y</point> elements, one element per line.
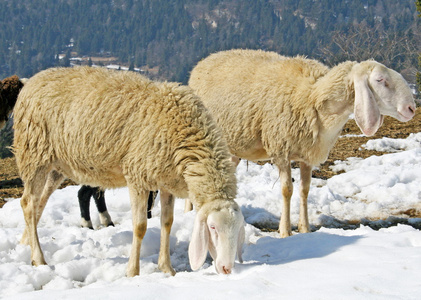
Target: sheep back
<point>105,128</point>
<point>265,100</point>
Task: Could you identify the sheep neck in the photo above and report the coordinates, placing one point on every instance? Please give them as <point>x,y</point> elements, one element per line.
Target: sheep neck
<point>335,101</point>
<point>210,180</point>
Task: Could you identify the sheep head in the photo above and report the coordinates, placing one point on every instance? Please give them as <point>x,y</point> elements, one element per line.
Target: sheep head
<point>380,91</point>
<point>9,91</point>
<point>219,230</point>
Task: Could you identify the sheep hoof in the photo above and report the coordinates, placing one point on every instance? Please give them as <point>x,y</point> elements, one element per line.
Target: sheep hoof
<point>105,219</point>
<point>40,263</point>
<point>285,234</point>
<point>86,224</point>
<point>304,229</point>
<point>132,273</point>
<point>169,270</point>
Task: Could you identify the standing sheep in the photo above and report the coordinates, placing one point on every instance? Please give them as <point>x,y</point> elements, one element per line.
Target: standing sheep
<point>9,90</point>
<point>112,129</point>
<point>274,107</point>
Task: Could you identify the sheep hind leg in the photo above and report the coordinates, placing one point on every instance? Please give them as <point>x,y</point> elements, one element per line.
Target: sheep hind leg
<point>188,206</point>
<point>138,201</point>
<point>287,187</point>
<point>31,203</point>
<point>167,216</point>
<point>53,181</point>
<point>236,161</point>
<point>305,171</point>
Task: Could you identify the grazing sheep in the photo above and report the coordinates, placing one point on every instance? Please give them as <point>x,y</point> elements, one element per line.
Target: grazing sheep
<point>274,107</point>
<point>84,196</point>
<point>112,129</point>
<point>9,90</point>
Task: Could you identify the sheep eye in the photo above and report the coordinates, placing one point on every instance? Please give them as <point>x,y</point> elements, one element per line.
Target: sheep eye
<point>212,227</point>
<point>382,80</point>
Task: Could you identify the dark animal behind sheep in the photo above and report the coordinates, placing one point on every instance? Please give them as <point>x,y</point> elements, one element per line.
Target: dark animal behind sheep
<point>84,195</point>
<point>9,91</point>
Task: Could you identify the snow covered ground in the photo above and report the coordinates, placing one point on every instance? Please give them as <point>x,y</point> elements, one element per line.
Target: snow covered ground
<point>330,263</point>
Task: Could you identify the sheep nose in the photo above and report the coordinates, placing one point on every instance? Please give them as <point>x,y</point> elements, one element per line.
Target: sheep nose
<point>226,270</point>
<point>411,109</point>
<point>407,112</point>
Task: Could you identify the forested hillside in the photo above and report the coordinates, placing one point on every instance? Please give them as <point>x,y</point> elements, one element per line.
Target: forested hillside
<point>172,36</point>
<point>165,38</point>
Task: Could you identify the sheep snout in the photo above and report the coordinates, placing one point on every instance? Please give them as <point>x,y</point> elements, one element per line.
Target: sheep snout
<point>225,243</point>
<point>226,270</point>
<point>407,112</point>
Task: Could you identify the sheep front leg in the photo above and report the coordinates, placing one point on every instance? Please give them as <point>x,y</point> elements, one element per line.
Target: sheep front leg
<point>305,171</point>
<point>138,201</point>
<point>167,216</point>
<point>287,187</point>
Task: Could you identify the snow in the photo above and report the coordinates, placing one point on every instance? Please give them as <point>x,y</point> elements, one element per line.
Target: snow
<point>394,145</point>
<point>332,262</point>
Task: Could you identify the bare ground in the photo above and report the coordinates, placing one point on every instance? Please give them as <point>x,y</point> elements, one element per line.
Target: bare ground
<point>11,186</point>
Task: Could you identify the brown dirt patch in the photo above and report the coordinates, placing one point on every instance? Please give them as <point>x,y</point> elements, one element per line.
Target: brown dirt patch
<point>11,185</point>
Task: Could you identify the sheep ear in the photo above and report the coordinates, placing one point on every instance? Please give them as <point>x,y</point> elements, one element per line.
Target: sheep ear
<point>198,248</point>
<point>241,238</point>
<point>366,111</point>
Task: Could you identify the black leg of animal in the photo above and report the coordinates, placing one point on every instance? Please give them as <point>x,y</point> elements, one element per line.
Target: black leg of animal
<point>84,196</point>
<point>99,197</point>
<point>151,200</point>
